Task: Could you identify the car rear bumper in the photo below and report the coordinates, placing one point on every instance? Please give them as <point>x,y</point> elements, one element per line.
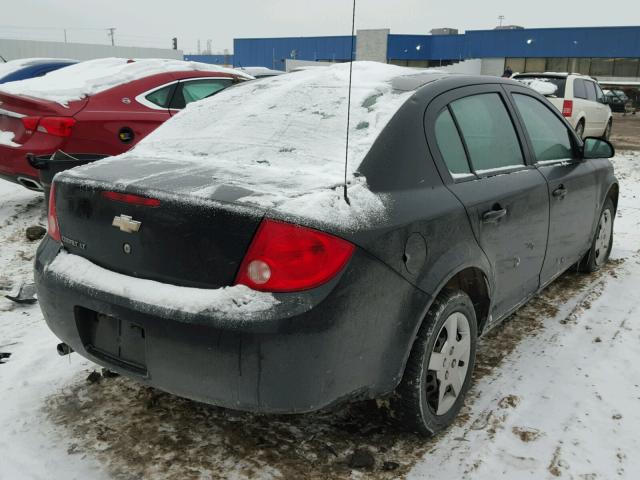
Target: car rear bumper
<point>345,340</point>
<point>13,160</point>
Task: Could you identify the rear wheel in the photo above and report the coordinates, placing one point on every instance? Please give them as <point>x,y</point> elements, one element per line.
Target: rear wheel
<point>580,129</point>
<point>438,372</point>
<point>602,241</point>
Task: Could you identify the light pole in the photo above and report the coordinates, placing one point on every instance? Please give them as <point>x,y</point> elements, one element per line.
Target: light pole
<point>111,34</point>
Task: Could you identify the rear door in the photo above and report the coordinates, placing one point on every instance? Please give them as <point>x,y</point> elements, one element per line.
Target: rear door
<point>571,182</point>
<point>604,111</point>
<point>596,115</point>
<point>582,106</point>
<point>484,164</point>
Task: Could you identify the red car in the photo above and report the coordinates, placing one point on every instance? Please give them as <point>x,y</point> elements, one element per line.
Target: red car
<point>99,107</point>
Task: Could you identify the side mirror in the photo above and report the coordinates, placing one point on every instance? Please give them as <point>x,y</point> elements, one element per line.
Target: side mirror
<point>597,148</point>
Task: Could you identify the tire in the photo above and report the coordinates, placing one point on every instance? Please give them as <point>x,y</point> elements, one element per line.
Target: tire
<point>420,404</point>
<point>580,129</point>
<point>598,254</point>
<point>607,131</point>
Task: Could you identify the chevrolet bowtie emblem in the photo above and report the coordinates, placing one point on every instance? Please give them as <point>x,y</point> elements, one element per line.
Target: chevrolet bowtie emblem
<point>126,224</point>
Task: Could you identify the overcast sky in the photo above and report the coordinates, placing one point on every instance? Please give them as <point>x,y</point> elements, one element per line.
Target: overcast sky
<point>155,22</point>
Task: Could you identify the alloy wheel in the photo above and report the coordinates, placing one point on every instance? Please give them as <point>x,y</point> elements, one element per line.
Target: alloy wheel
<point>448,363</point>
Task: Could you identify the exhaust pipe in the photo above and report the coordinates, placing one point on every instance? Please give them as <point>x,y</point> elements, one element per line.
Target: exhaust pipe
<point>30,184</point>
<point>64,349</point>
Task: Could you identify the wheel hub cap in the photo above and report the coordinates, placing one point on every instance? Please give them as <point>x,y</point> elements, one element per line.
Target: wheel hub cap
<point>449,363</point>
<point>603,238</point>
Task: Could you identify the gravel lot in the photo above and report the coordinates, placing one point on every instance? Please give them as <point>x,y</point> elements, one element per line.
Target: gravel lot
<point>557,394</point>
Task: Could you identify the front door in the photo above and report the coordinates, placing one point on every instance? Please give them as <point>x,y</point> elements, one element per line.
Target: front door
<point>571,183</point>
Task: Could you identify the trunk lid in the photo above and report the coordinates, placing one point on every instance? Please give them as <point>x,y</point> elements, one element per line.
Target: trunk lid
<point>13,108</point>
<point>196,237</point>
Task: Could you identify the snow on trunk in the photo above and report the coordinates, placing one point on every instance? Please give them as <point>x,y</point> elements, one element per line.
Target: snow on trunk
<point>233,302</point>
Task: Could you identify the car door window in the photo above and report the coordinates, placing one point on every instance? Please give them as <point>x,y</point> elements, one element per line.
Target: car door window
<point>194,90</point>
<point>161,97</point>
<point>549,136</point>
<point>488,132</point>
<point>450,144</point>
<point>591,90</point>
<point>579,90</point>
<point>599,92</point>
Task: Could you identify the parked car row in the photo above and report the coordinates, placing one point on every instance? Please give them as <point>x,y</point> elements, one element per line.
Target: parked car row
<point>618,101</point>
<point>236,257</point>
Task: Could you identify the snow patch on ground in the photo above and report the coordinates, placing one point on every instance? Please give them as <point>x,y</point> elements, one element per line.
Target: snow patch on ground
<point>78,81</point>
<point>233,302</point>
<point>556,394</point>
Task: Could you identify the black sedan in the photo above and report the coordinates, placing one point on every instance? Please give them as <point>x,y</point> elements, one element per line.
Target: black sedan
<point>224,260</point>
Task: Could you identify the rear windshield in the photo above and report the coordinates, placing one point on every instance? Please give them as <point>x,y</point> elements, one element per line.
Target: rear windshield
<point>558,82</point>
<point>284,133</point>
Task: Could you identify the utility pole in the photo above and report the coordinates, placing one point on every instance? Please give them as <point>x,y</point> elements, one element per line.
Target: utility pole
<point>65,35</point>
<point>500,19</point>
<point>111,34</point>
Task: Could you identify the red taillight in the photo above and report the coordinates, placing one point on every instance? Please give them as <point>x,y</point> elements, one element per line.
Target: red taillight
<point>288,258</point>
<point>567,108</point>
<point>131,199</point>
<point>58,126</point>
<point>30,123</point>
<point>52,216</point>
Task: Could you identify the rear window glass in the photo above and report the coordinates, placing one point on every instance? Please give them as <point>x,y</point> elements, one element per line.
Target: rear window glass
<point>450,144</point>
<point>283,136</point>
<point>160,97</point>
<point>559,82</point>
<point>488,132</point>
<point>194,90</point>
<point>579,90</point>
<point>591,90</point>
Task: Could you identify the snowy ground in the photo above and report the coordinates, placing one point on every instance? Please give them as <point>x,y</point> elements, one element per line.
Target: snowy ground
<point>557,394</point>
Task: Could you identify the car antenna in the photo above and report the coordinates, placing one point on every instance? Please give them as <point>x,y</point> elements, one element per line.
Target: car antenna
<point>346,154</point>
<point>3,59</point>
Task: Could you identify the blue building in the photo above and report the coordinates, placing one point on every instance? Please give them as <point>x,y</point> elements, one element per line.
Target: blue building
<point>599,51</point>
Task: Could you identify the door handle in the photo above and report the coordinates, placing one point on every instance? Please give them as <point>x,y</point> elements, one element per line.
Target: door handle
<point>560,192</point>
<point>492,216</point>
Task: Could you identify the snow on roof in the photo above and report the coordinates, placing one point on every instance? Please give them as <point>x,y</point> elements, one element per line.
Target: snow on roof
<point>540,85</point>
<point>283,138</point>
<point>261,71</point>
<point>11,66</point>
<point>93,76</point>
